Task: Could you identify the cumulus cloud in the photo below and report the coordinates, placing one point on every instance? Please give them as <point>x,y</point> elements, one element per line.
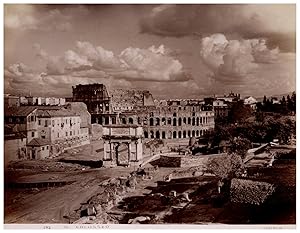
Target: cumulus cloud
<point>44,18</point>
<point>19,78</point>
<point>232,60</point>
<point>274,22</point>
<point>131,64</point>
<point>87,63</point>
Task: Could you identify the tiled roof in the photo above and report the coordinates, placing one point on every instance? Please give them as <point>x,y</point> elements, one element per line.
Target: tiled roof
<point>20,111</point>
<point>56,113</point>
<point>39,142</point>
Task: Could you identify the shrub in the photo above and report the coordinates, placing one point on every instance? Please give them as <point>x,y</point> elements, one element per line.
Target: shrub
<point>250,192</point>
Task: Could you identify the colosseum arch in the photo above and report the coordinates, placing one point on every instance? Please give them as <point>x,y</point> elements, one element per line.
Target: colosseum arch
<point>193,133</point>
<point>145,134</point>
<point>174,122</point>
<point>193,121</point>
<point>179,121</point>
<point>163,121</point>
<point>170,135</point>
<point>197,121</point>
<point>163,134</point>
<point>157,121</point>
<point>189,133</point>
<point>197,133</point>
<point>130,120</point>
<point>151,134</point>
<point>184,120</point>
<point>174,134</point>
<point>179,134</point>
<point>151,121</point>
<point>157,135</point>
<point>189,121</point>
<point>184,134</point>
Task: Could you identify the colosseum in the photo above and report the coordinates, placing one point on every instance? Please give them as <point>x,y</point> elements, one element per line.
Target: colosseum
<point>163,119</point>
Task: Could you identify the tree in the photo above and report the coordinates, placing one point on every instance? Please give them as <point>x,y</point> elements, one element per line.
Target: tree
<point>265,100</point>
<point>283,102</point>
<point>293,98</point>
<point>240,112</point>
<point>225,167</point>
<point>240,146</point>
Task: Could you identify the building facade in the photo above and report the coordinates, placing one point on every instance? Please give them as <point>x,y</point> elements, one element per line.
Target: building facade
<point>47,131</point>
<point>167,119</point>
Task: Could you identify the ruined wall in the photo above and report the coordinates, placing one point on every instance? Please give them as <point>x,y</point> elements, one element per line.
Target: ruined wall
<point>81,109</point>
<point>14,150</point>
<point>148,99</point>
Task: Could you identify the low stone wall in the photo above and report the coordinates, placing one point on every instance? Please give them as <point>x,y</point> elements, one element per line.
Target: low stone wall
<point>185,161</point>
<point>193,161</point>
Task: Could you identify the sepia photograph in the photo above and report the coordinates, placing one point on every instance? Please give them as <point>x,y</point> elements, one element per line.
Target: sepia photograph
<point>153,114</point>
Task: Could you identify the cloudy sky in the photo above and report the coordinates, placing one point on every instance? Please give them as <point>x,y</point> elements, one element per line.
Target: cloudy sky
<point>175,51</point>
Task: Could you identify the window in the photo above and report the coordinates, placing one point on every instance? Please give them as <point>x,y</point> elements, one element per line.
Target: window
<point>53,122</point>
<point>47,147</point>
<point>32,134</point>
<point>46,123</point>
<point>32,118</point>
<point>39,122</point>
<point>70,133</point>
<point>66,134</point>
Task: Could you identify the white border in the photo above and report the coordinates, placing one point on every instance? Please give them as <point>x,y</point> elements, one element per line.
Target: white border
<point>145,228</point>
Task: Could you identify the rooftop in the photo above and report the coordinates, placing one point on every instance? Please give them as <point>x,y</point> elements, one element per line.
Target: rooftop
<point>20,111</point>
<point>56,113</point>
<point>39,142</point>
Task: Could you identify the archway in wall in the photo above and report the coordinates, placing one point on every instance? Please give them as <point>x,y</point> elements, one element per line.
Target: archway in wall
<point>130,120</point>
<point>163,134</point>
<point>122,154</point>
<point>174,122</point>
<point>145,134</point>
<point>151,121</point>
<point>193,133</point>
<point>174,134</point>
<point>184,134</point>
<point>157,134</point>
<point>179,134</point>
<point>157,121</point>
<point>179,121</point>
<point>151,134</point>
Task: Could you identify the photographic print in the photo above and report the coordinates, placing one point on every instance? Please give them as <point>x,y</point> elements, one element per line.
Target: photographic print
<point>150,114</point>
